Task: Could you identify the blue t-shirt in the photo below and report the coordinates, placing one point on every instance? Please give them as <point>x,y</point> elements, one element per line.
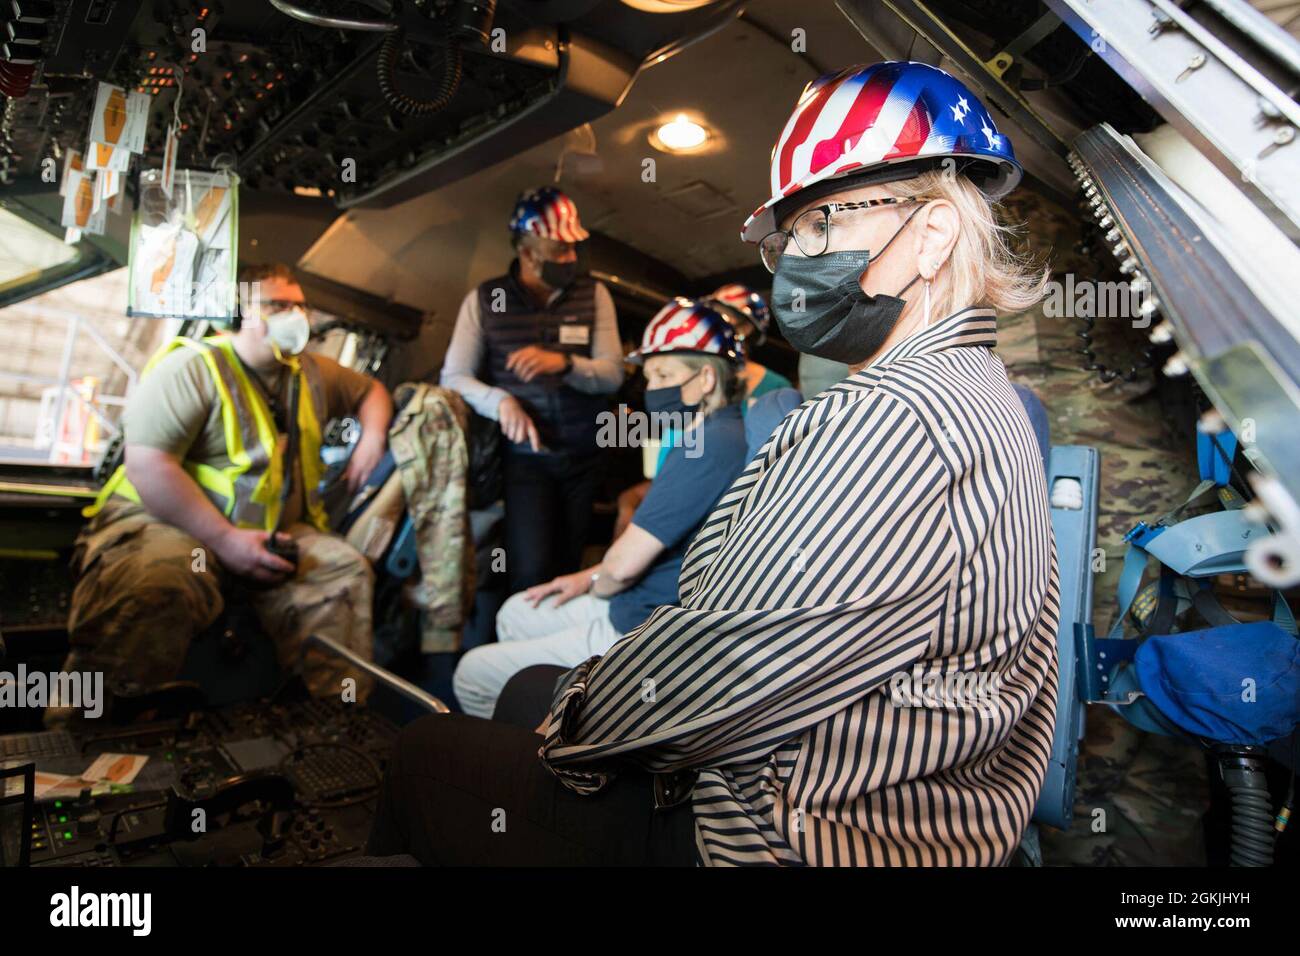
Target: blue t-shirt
<point>766,414</point>
<point>681,496</point>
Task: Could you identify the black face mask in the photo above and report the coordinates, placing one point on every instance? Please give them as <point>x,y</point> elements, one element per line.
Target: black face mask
<point>838,320</point>
<point>664,400</point>
<point>558,275</point>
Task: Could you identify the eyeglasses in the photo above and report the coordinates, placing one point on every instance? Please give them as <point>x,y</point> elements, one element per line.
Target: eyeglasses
<point>272,306</point>
<point>811,232</point>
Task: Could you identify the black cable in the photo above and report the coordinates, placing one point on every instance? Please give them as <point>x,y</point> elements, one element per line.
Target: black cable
<point>1252,815</point>
<point>337,23</point>
<point>408,105</point>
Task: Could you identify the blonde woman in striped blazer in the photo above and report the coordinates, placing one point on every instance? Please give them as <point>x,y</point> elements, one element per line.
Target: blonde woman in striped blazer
<point>862,670</point>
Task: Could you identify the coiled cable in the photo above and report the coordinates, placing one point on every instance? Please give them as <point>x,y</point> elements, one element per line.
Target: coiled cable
<point>1252,813</point>
<point>408,105</point>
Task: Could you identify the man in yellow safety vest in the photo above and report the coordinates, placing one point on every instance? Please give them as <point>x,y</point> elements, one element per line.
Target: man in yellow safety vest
<point>221,485</point>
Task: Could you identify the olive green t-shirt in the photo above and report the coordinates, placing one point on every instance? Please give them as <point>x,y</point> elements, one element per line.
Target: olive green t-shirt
<point>176,408</point>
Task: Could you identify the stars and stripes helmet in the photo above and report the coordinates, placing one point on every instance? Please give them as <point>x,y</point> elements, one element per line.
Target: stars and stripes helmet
<point>739,303</point>
<point>548,213</point>
<point>688,325</point>
<point>881,123</point>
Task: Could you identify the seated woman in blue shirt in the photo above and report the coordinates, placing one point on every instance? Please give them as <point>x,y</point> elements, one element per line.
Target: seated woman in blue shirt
<point>748,315</point>
<point>694,374</point>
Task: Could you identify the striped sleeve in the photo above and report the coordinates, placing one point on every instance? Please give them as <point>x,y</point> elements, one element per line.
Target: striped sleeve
<point>771,640</point>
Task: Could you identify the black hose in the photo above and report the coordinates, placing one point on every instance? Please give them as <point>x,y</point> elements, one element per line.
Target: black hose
<point>389,53</point>
<point>1251,809</point>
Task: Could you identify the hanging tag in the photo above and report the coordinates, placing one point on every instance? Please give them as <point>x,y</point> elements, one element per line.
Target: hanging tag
<point>110,183</point>
<point>169,160</point>
<point>81,208</point>
<point>103,156</point>
<point>72,163</point>
<point>119,119</point>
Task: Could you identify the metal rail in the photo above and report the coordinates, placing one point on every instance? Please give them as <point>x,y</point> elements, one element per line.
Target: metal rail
<point>1246,360</point>
<point>387,678</point>
<point>1235,115</point>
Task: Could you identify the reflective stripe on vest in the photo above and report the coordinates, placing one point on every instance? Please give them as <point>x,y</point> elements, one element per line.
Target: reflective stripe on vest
<point>250,490</point>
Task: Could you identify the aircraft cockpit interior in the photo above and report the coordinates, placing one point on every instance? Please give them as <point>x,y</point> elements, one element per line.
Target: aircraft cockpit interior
<point>354,351</point>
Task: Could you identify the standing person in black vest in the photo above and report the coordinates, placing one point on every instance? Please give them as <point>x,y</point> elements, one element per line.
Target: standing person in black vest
<point>537,349</point>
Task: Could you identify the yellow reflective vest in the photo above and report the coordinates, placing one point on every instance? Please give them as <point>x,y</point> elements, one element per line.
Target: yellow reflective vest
<point>250,490</point>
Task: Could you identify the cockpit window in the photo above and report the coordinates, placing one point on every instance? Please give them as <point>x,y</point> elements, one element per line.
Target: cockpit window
<point>69,359</point>
<point>26,251</point>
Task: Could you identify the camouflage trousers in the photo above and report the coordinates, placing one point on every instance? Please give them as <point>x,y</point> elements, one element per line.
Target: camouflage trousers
<point>145,589</point>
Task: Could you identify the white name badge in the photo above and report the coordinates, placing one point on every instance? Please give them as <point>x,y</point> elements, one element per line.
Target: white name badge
<point>575,334</point>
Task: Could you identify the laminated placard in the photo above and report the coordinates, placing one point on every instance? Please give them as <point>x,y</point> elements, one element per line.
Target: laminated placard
<point>103,156</point>
<point>119,120</point>
<point>82,209</point>
<point>107,185</point>
<point>183,247</point>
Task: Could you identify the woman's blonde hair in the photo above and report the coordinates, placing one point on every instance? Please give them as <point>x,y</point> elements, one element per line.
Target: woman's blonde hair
<point>983,268</point>
<point>731,384</point>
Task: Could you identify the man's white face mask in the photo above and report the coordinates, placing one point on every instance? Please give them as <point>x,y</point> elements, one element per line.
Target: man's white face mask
<point>289,330</point>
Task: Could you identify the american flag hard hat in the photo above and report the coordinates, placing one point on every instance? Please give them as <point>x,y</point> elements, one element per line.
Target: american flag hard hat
<point>548,213</point>
<point>866,118</point>
<point>738,301</point>
<point>688,325</point>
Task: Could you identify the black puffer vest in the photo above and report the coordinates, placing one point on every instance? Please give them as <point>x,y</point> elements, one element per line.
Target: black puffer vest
<point>565,417</point>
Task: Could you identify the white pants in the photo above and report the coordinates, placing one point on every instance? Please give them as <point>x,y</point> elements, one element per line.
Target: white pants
<point>527,635</point>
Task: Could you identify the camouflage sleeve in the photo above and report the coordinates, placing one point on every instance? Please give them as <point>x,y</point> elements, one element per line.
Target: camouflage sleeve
<point>428,441</point>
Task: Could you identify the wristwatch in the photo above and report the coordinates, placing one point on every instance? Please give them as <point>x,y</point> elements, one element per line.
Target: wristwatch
<point>595,576</point>
<point>568,363</point>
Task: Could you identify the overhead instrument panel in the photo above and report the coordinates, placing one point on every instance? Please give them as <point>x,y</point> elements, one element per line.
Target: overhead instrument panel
<point>358,101</point>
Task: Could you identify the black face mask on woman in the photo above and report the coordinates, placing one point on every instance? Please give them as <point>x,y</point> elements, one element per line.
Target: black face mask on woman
<point>838,320</point>
<point>663,400</point>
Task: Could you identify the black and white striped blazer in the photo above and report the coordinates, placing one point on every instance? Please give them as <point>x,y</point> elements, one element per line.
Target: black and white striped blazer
<point>889,543</point>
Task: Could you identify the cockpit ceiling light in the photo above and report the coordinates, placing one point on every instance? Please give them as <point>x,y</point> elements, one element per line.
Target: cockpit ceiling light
<point>667,6</point>
<point>680,135</point>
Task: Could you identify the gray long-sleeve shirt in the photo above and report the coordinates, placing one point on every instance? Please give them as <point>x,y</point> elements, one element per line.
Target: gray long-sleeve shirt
<point>601,374</point>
